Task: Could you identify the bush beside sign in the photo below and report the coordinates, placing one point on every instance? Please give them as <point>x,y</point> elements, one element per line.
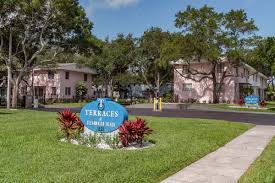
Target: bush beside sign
<point>103,115</point>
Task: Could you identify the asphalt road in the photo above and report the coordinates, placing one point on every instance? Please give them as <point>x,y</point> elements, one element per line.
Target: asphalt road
<point>254,118</point>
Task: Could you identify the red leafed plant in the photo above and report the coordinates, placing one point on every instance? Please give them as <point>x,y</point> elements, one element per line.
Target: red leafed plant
<point>263,103</point>
<point>133,132</point>
<point>70,124</point>
<point>241,102</point>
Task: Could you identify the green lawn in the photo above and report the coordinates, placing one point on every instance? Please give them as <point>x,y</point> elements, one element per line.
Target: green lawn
<point>66,105</point>
<point>263,169</point>
<point>270,105</point>
<point>31,152</point>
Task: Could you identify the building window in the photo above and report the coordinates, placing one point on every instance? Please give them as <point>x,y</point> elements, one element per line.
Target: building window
<point>68,91</point>
<point>185,69</point>
<point>36,73</point>
<point>220,68</point>
<point>24,90</point>
<point>187,86</point>
<point>256,78</point>
<point>67,75</point>
<point>50,75</point>
<point>85,77</point>
<point>220,87</point>
<point>2,92</point>
<point>53,90</point>
<point>40,92</point>
<point>237,71</point>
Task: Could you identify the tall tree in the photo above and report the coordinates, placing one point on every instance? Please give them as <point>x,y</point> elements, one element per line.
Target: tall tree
<point>154,70</point>
<point>2,72</point>
<point>114,60</point>
<point>263,58</point>
<point>210,36</point>
<point>29,30</point>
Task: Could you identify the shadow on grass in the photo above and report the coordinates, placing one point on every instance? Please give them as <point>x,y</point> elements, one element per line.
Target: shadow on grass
<point>4,113</point>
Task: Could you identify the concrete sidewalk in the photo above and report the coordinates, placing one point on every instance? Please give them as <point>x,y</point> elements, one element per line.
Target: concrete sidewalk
<point>228,163</point>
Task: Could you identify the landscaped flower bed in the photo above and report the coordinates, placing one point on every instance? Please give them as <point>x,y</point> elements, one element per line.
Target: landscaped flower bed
<point>130,135</point>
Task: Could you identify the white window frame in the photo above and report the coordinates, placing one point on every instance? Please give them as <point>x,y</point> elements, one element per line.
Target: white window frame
<point>68,91</point>
<point>54,90</point>
<point>67,72</point>
<point>185,69</point>
<point>218,87</point>
<point>185,88</point>
<point>85,77</point>
<point>51,75</point>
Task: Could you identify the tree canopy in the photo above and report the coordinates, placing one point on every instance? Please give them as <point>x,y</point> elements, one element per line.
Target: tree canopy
<point>262,57</point>
<point>154,70</point>
<point>44,32</point>
<point>113,61</point>
<point>34,32</point>
<point>210,36</point>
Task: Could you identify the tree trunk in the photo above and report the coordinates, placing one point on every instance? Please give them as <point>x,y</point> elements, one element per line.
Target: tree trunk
<point>32,86</point>
<point>111,89</point>
<point>214,79</point>
<point>157,86</point>
<point>272,82</point>
<point>15,94</point>
<point>8,64</point>
<point>9,88</point>
<point>215,95</point>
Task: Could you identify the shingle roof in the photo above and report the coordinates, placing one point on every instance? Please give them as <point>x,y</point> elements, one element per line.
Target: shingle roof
<point>181,61</point>
<point>73,67</point>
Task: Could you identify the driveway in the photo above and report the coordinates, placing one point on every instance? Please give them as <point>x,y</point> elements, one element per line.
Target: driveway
<point>255,118</point>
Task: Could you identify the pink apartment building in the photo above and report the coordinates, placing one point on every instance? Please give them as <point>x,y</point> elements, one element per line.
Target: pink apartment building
<point>60,82</point>
<point>229,91</point>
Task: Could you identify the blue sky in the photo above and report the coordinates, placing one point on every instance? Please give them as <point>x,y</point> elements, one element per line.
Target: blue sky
<point>111,17</point>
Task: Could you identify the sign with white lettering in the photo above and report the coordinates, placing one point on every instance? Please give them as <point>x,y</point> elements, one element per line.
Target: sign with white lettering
<point>103,115</point>
<point>251,100</point>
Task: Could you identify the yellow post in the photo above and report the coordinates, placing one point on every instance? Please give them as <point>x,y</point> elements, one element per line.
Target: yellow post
<point>158,104</point>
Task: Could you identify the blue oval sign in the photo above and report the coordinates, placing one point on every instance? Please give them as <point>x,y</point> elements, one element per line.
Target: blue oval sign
<point>103,115</point>
<point>251,100</point>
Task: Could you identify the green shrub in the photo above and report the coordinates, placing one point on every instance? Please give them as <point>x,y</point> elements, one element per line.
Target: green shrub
<point>81,91</point>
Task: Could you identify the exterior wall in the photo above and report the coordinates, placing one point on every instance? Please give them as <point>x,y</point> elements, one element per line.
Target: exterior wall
<point>255,79</point>
<point>74,79</point>
<point>42,81</point>
<point>203,91</point>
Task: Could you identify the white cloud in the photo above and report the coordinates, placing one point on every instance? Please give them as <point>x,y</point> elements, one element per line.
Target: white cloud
<point>119,3</point>
<point>93,5</point>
